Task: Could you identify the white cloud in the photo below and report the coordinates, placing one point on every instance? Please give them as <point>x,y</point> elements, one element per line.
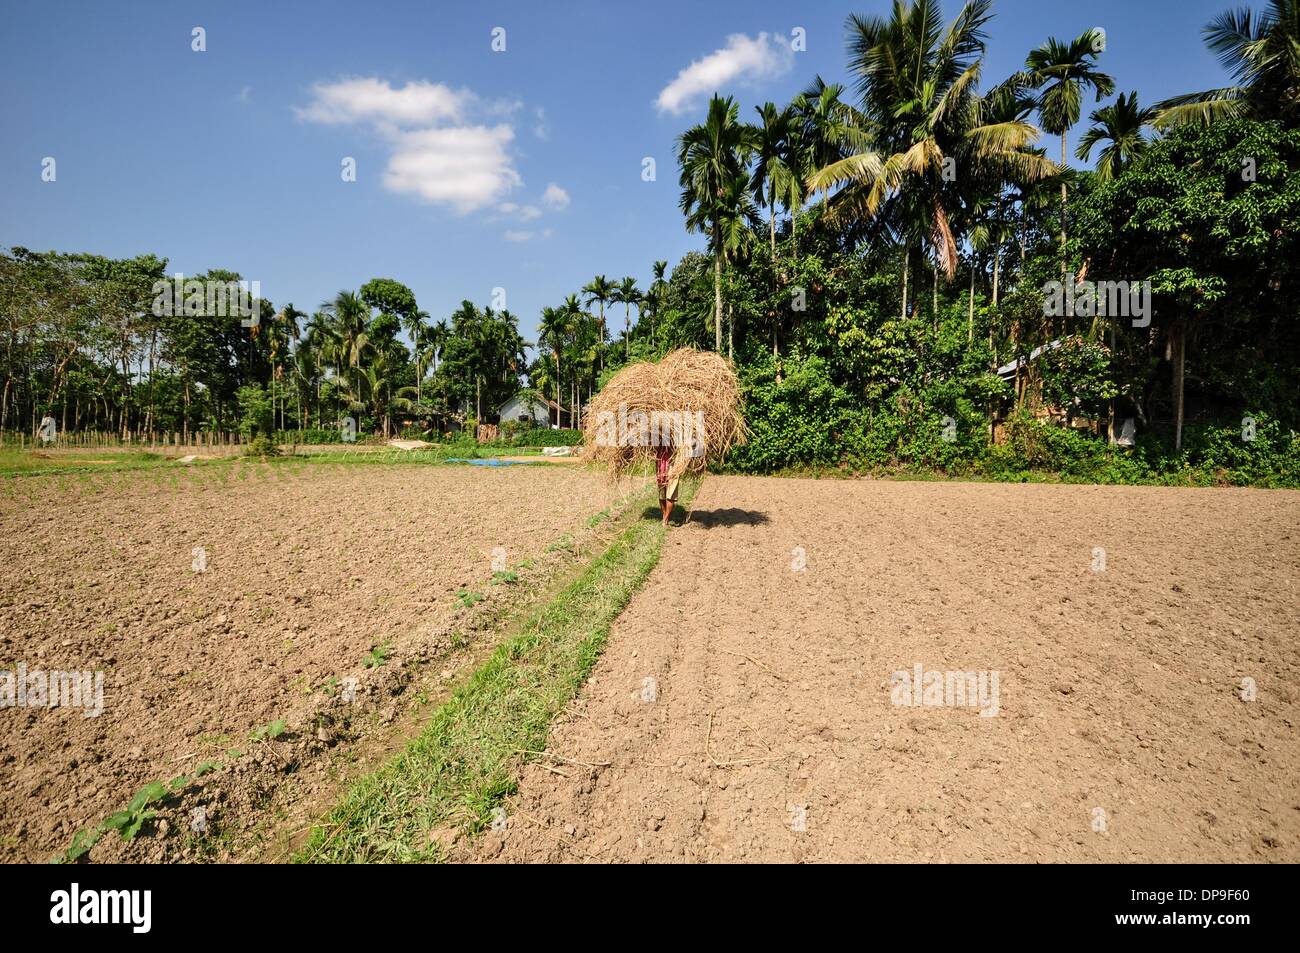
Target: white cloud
<point>525,213</point>
<point>465,167</point>
<point>365,98</point>
<point>741,60</point>
<point>437,152</point>
<point>524,235</point>
<point>555,197</point>
<point>541,130</point>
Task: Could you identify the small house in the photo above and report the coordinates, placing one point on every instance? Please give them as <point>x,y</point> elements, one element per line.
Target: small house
<point>528,406</point>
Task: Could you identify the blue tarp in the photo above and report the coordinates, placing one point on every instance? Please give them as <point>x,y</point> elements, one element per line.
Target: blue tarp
<point>490,462</point>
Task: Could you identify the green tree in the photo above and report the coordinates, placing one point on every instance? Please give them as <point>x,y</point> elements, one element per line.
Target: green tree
<point>1262,53</point>
<point>1119,126</point>
<point>1216,246</point>
<point>600,290</point>
<point>1063,71</point>
<point>713,157</point>
<point>628,294</point>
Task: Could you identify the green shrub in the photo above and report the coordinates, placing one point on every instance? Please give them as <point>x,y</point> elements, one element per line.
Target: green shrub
<point>261,446</point>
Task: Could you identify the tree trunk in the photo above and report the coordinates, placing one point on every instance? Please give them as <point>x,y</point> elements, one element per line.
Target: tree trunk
<point>970,307</point>
<point>997,267</point>
<point>1179,332</point>
<point>600,349</point>
<point>1110,423</point>
<point>771,224</point>
<point>934,301</point>
<point>1066,277</point>
<point>907,257</point>
<point>717,297</point>
<point>1015,356</point>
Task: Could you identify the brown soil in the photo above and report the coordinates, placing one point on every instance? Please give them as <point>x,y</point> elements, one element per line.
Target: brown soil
<point>307,570</point>
<point>1122,734</point>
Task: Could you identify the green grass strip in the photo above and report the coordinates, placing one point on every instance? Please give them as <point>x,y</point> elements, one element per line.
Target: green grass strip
<point>467,759</point>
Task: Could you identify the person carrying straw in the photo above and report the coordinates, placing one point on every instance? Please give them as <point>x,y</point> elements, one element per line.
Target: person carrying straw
<point>667,487</point>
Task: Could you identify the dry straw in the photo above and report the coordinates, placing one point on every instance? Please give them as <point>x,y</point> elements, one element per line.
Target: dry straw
<point>691,397</point>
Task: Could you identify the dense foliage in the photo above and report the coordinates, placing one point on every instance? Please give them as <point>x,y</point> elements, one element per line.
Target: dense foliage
<point>902,276</point>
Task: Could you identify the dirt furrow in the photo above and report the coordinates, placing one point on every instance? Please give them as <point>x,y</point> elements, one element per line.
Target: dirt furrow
<point>1125,627</point>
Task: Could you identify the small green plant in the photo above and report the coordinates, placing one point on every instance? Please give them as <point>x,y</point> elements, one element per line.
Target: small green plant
<point>129,822</point>
<point>505,576</point>
<point>378,655</point>
<point>563,544</point>
<point>467,599</point>
<point>274,730</point>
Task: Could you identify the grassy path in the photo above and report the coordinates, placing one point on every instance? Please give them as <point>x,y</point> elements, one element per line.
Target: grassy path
<point>450,779</point>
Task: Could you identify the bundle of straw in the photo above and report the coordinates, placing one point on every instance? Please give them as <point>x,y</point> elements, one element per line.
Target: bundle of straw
<point>690,401</point>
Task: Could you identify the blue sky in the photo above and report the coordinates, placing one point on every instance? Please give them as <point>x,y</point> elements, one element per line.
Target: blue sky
<point>476,169</point>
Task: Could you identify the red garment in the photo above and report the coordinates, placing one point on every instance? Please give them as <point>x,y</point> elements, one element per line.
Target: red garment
<point>663,457</point>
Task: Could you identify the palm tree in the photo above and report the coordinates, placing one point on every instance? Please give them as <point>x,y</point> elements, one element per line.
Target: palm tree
<point>918,122</point>
<point>350,317</point>
<point>553,331</point>
<point>628,293</point>
<point>322,341</point>
<point>1063,71</point>
<point>1007,102</point>
<point>713,157</point>
<point>738,215</point>
<point>774,173</point>
<point>580,354</point>
<point>436,337</point>
<point>415,323</point>
<point>600,289</point>
<point>1119,125</point>
<point>655,296</point>
<point>1261,53</point>
<point>284,330</point>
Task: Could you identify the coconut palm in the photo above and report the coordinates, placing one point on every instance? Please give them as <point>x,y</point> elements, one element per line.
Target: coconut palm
<point>823,130</point>
<point>600,289</point>
<point>1119,126</point>
<point>320,339</point>
<point>713,157</point>
<point>1007,102</point>
<point>415,323</point>
<point>628,294</point>
<point>1262,52</point>
<point>553,331</point>
<point>654,297</point>
<point>580,353</point>
<point>351,318</point>
<point>919,124</point>
<point>283,331</point>
<point>1063,72</point>
<point>435,340</point>
<point>775,169</point>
